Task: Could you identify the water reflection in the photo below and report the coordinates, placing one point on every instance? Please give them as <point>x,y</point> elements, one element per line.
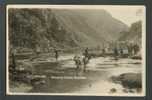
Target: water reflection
<point>96,77</point>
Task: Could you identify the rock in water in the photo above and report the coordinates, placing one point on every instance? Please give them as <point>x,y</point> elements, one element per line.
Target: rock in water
<point>131,80</point>
<point>113,90</point>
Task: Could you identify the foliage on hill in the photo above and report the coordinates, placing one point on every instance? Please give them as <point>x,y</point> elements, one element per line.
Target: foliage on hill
<point>134,33</point>
<point>47,28</point>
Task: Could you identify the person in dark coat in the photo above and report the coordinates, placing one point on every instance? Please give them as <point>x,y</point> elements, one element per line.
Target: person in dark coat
<point>56,54</point>
<point>115,53</point>
<point>85,62</point>
<point>86,52</point>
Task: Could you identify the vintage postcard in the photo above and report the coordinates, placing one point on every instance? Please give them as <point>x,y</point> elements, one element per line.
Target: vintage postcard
<point>81,50</point>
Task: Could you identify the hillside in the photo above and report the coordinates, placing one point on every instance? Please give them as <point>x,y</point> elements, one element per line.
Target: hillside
<point>46,28</point>
<point>134,33</point>
<point>33,28</point>
<point>98,24</point>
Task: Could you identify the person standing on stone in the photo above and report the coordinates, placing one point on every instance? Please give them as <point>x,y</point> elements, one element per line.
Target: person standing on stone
<point>86,53</point>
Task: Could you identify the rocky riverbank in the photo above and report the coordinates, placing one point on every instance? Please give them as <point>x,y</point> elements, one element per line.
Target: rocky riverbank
<point>131,82</point>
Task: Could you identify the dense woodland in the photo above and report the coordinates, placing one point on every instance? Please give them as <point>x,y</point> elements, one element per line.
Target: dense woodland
<point>34,28</point>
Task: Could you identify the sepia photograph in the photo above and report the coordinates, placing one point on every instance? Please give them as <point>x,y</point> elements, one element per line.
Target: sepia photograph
<point>80,50</point>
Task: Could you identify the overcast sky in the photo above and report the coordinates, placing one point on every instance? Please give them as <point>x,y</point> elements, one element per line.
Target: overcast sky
<point>126,14</point>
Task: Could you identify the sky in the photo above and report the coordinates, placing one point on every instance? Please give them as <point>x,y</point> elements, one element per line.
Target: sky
<point>126,14</point>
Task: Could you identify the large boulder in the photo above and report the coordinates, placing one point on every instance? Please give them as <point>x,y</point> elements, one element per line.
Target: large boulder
<point>129,80</point>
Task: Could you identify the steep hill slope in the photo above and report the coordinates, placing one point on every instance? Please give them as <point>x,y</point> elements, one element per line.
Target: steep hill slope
<point>98,24</point>
<point>46,28</point>
<point>134,33</point>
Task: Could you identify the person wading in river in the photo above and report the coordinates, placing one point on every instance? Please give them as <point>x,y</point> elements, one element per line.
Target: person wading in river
<point>85,62</point>
<point>86,59</point>
<point>77,61</point>
<point>86,53</point>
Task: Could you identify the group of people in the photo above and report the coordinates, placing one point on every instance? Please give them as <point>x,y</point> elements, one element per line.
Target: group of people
<point>128,49</point>
<point>82,61</point>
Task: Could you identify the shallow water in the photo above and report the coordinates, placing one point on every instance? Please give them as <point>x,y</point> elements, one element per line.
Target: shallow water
<point>62,76</point>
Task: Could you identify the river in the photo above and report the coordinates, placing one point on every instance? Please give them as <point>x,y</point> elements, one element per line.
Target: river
<point>62,77</point>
